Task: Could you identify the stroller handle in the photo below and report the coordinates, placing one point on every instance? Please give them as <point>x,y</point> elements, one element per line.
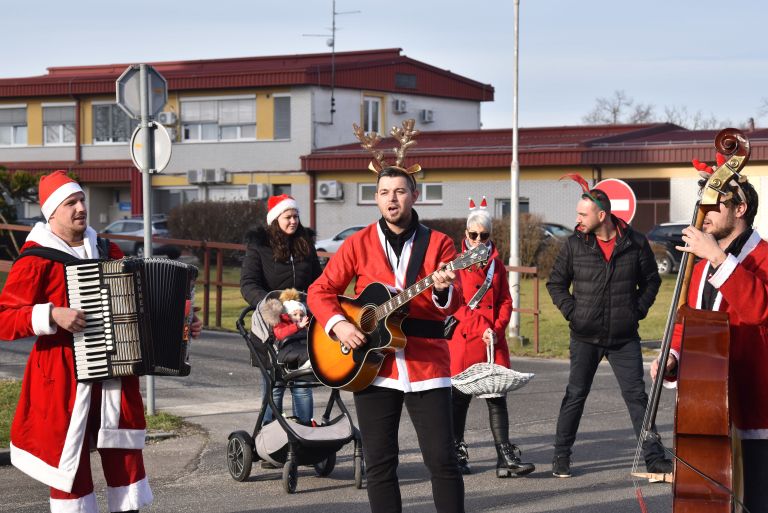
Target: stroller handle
<point>240,322</point>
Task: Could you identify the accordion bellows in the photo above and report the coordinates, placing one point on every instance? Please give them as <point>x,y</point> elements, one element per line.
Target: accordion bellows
<point>488,379</point>
<point>138,313</point>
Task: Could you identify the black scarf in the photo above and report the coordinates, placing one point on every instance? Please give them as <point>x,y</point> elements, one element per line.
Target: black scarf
<point>397,240</point>
<point>734,248</point>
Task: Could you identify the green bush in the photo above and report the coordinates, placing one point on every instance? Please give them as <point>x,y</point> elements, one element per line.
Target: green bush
<point>216,221</point>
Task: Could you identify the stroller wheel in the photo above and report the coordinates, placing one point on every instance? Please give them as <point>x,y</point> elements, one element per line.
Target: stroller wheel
<point>359,471</point>
<point>325,467</point>
<point>239,455</point>
<point>290,476</point>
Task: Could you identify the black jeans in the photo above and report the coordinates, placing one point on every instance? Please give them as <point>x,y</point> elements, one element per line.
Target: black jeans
<point>627,363</point>
<point>378,414</point>
<point>498,416</point>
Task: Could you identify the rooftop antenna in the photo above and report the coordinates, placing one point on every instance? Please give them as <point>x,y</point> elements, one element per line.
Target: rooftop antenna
<point>331,41</point>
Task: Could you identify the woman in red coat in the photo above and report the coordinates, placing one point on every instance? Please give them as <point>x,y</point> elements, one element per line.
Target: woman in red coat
<point>483,319</point>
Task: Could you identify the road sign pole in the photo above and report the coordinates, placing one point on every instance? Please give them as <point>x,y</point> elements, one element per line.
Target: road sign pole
<point>148,163</point>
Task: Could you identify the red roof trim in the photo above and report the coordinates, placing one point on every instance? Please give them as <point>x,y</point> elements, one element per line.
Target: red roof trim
<point>107,171</point>
<point>372,69</point>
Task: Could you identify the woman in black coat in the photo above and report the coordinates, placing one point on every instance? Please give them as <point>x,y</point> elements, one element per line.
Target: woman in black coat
<point>279,256</point>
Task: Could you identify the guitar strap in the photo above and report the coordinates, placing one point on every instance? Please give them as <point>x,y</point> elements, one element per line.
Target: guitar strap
<point>418,252</point>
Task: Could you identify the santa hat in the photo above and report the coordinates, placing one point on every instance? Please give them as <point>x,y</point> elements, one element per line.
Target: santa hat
<point>292,305</point>
<point>276,205</point>
<point>54,189</point>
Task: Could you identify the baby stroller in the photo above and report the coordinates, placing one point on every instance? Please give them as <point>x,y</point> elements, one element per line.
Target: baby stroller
<point>284,442</point>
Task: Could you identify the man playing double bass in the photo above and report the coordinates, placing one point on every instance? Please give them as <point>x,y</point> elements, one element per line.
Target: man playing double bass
<point>732,277</point>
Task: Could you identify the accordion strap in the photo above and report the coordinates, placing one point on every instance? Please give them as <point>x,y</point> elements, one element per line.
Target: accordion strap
<point>49,253</point>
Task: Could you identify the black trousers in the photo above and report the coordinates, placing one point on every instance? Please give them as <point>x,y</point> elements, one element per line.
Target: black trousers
<point>378,415</point>
<point>498,417</point>
<point>627,364</point>
<point>755,454</point>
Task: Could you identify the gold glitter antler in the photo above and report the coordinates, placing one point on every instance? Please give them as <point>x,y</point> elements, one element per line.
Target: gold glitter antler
<point>405,137</point>
<point>369,142</point>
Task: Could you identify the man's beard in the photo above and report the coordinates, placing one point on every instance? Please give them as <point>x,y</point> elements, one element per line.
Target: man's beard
<point>724,231</point>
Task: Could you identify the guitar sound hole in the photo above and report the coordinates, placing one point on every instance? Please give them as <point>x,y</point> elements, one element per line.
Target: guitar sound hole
<point>368,320</point>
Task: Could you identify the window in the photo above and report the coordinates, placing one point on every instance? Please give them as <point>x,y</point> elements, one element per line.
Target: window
<point>111,124</point>
<point>429,193</point>
<point>58,125</point>
<point>405,80</point>
<point>371,113</point>
<point>13,126</point>
<point>282,117</point>
<point>163,200</point>
<point>502,206</point>
<point>281,188</point>
<point>218,120</point>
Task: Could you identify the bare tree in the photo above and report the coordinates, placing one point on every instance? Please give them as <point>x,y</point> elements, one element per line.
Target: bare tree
<point>696,121</point>
<point>609,110</point>
<point>642,113</point>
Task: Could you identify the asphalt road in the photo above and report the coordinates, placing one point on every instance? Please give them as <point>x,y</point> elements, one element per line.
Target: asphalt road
<point>189,473</point>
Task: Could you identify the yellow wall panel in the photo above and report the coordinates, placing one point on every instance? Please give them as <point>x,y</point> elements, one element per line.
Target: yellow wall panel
<point>265,115</point>
<point>281,178</point>
<point>168,180</point>
<point>34,123</point>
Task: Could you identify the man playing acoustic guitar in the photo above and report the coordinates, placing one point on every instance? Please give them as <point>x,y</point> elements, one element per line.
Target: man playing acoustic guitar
<point>395,251</point>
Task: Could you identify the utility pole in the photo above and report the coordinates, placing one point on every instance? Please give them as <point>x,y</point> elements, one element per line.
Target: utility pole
<point>514,192</point>
<point>332,43</point>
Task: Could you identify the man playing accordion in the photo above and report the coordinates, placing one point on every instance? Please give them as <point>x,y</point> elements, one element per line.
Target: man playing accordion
<point>58,418</point>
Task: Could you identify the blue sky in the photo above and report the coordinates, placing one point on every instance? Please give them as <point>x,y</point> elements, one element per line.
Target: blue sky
<point>674,53</point>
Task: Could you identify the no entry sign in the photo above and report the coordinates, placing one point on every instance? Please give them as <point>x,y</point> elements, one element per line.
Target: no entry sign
<point>623,201</point>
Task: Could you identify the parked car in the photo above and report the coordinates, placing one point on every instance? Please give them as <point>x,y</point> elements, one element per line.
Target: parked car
<point>557,231</point>
<point>332,244</point>
<point>135,227</point>
<point>664,237</point>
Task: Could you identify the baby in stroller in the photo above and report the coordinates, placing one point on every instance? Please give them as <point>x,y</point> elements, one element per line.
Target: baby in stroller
<point>287,316</point>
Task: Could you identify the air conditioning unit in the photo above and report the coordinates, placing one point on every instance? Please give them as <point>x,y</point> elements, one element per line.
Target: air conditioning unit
<point>427,116</point>
<point>220,176</point>
<point>195,176</point>
<point>401,106</point>
<point>167,118</point>
<point>209,175</point>
<point>329,189</point>
<point>258,191</point>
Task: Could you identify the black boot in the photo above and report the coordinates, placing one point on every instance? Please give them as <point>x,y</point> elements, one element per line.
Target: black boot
<point>462,455</point>
<point>508,462</point>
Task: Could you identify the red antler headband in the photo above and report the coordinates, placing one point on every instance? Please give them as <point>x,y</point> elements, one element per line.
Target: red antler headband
<point>587,194</point>
<point>705,171</point>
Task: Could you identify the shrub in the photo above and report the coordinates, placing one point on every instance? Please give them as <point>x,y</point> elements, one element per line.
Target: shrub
<point>536,249</point>
<point>219,221</point>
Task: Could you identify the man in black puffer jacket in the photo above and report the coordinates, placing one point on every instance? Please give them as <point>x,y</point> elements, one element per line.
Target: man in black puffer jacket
<point>615,281</point>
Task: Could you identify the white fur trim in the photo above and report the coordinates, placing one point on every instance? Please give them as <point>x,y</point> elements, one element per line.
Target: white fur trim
<point>402,371</point>
<point>333,321</point>
<point>110,435</point>
<point>41,319</point>
<point>42,234</point>
<point>416,386</point>
<point>724,271</point>
<point>448,302</point>
<point>281,207</point>
<point>57,197</point>
<point>36,468</point>
<point>85,504</point>
<point>73,443</point>
<point>132,497</point>
<point>753,434</point>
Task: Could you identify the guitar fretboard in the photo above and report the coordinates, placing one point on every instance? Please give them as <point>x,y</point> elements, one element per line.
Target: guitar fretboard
<point>406,295</point>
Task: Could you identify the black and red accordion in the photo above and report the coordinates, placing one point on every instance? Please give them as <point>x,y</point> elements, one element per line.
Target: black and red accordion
<point>138,313</point>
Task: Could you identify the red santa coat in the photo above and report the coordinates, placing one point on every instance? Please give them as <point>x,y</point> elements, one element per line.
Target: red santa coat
<point>742,284</point>
<point>493,311</point>
<point>424,363</point>
<point>48,429</point>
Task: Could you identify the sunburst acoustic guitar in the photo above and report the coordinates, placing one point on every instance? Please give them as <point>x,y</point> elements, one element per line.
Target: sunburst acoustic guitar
<point>378,314</point>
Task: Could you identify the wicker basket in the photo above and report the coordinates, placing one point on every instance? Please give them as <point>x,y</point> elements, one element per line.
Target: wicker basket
<point>485,380</point>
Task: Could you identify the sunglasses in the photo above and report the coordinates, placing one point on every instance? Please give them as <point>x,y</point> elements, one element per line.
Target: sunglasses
<point>484,236</point>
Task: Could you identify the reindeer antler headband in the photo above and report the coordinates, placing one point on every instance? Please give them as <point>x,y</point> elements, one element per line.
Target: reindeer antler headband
<point>586,193</point>
<point>403,135</point>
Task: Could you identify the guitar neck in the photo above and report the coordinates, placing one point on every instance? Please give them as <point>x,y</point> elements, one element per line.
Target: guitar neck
<point>406,295</point>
